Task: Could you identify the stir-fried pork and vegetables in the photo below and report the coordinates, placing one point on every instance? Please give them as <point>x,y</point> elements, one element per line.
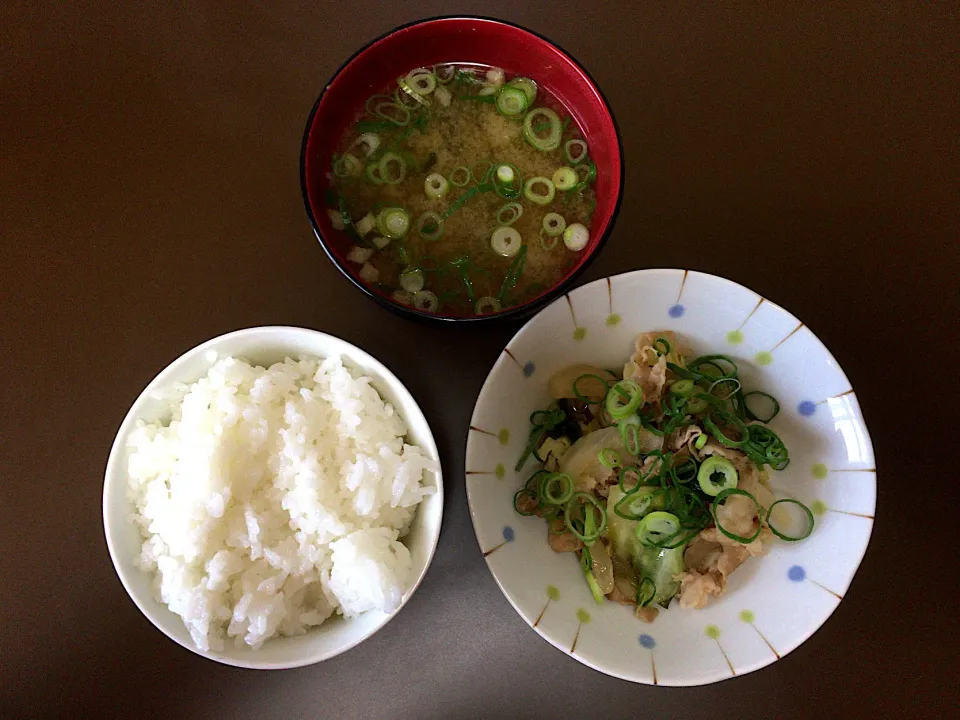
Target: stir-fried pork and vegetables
<point>656,476</point>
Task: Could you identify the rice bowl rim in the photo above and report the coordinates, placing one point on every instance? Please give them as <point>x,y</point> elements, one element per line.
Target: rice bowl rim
<point>296,342</point>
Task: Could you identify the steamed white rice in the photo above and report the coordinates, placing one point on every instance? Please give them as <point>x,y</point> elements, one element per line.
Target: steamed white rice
<point>274,498</point>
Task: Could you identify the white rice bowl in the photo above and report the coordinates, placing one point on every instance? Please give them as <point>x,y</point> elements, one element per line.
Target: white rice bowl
<point>262,501</point>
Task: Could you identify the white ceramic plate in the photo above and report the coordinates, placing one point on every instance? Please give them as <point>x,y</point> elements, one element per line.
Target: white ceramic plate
<point>264,346</point>
<point>772,603</point>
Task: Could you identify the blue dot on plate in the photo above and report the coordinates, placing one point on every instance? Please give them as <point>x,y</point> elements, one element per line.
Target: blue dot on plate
<point>508,533</point>
<point>807,408</point>
<point>648,642</point>
<point>528,369</point>
<point>676,311</point>
<point>796,573</point>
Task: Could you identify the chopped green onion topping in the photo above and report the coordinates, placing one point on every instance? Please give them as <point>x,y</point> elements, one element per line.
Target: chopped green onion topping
<point>576,237</point>
<point>460,177</point>
<point>598,596</point>
<point>506,241</point>
<point>555,489</point>
<point>657,528</point>
<point>393,168</point>
<point>610,458</point>
<point>564,178</point>
<point>752,414</point>
<point>544,143</point>
<point>554,224</point>
<point>574,151</point>
<point>421,81</point>
<point>430,226</point>
<point>509,213</point>
<point>506,181</point>
<point>717,474</point>
<point>369,142</point>
<point>444,73</point>
<point>426,300</point>
<point>393,222</point>
<point>347,165</point>
<point>505,173</point>
<point>435,185</point>
<point>784,536</point>
<point>623,399</point>
<point>511,101</point>
<point>540,198</point>
<point>482,176</point>
<point>487,305</point>
<point>528,86</point>
<point>548,243</point>
<point>386,108</point>
<point>412,280</point>
<point>513,274</point>
<point>373,173</point>
<point>575,516</point>
<point>646,592</point>
<point>733,536</point>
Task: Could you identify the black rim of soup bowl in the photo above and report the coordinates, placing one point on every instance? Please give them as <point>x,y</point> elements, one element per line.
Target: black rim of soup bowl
<point>514,313</point>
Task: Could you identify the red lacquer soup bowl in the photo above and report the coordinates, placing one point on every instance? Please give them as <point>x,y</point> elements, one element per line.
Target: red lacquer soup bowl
<point>468,41</point>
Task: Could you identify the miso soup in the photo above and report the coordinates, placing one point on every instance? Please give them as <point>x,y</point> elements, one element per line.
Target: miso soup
<point>463,191</point>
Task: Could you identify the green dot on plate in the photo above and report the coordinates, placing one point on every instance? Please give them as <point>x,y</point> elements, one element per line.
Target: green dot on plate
<point>613,319</point>
<point>579,333</point>
<point>734,337</point>
<point>746,616</point>
<point>503,436</point>
<point>819,471</point>
<point>583,616</point>
<point>764,358</point>
<point>712,631</point>
<point>552,592</point>
<point>500,471</point>
<point>819,507</point>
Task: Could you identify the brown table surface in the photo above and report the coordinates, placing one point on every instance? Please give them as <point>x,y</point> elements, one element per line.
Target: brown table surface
<point>150,200</point>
